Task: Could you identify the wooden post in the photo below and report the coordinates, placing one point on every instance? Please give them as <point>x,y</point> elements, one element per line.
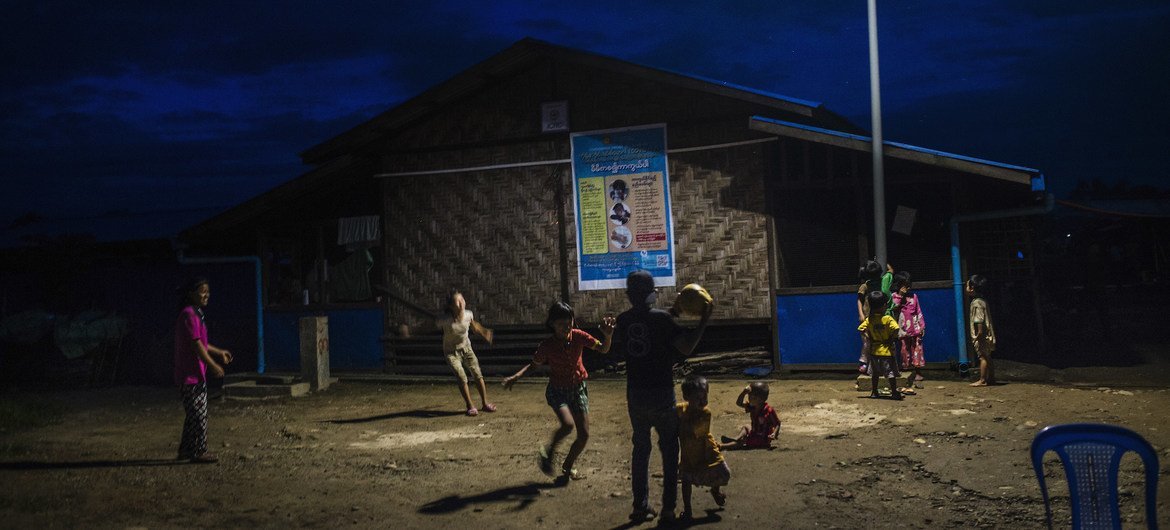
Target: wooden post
<point>315,352</point>
<point>558,185</point>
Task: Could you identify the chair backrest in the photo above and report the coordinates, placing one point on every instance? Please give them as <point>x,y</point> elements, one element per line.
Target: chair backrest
<point>1091,454</point>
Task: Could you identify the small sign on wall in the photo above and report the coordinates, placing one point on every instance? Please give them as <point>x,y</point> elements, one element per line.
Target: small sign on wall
<point>554,116</point>
<point>904,220</point>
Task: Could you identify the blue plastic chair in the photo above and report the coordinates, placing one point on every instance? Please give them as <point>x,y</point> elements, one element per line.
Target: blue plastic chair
<point>1091,454</point>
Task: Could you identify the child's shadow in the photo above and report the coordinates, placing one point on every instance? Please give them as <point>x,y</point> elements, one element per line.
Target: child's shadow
<point>522,495</point>
<point>711,518</point>
<point>403,414</point>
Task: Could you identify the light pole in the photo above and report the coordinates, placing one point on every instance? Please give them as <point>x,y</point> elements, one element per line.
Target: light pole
<point>875,105</point>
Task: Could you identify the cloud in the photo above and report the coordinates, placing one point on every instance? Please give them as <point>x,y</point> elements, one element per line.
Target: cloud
<point>133,104</point>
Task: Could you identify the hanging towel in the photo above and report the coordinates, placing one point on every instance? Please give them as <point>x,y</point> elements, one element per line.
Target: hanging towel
<point>351,278</point>
<point>358,232</point>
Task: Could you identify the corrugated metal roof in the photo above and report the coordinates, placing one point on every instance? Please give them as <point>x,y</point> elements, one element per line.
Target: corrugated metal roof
<point>747,89</point>
<point>1021,174</point>
<point>521,54</point>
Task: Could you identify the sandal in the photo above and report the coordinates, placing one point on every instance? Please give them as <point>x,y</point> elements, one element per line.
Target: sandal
<point>205,458</point>
<point>489,407</point>
<point>472,412</point>
<point>908,391</point>
<point>567,476</point>
<point>545,461</point>
<point>642,515</point>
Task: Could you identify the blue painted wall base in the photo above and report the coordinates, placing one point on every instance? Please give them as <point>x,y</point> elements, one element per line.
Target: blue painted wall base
<point>822,328</point>
<point>355,338</point>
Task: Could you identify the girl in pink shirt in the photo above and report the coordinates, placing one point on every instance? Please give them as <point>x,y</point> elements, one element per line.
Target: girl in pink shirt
<point>194,357</point>
<point>566,392</point>
<point>913,328</point>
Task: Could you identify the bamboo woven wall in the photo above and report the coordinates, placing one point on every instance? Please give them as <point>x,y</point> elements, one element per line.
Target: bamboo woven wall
<point>494,234</point>
<point>720,236</point>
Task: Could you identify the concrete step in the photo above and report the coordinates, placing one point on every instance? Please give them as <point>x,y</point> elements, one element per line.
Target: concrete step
<point>265,388</point>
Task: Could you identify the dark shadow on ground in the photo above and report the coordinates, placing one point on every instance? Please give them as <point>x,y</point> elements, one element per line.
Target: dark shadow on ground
<point>403,414</point>
<point>711,518</point>
<point>523,496</point>
<point>27,465</point>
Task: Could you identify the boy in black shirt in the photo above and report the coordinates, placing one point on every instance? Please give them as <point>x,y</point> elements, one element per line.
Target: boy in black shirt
<point>650,339</point>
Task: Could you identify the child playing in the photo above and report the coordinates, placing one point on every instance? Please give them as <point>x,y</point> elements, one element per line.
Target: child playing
<point>193,359</point>
<point>982,332</point>
<point>566,392</point>
<point>700,462</point>
<point>881,331</point>
<point>455,324</point>
<point>913,329</point>
<point>765,425</point>
<point>651,340</point>
<point>872,279</point>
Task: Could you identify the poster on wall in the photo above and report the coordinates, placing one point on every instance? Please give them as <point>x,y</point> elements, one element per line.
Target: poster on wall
<point>621,194</point>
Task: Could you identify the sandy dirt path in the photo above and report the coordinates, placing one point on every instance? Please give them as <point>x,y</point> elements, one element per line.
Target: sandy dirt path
<point>379,455</point>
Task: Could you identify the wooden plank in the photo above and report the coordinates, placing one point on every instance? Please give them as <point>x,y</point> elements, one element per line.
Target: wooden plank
<point>497,359</point>
<point>491,370</point>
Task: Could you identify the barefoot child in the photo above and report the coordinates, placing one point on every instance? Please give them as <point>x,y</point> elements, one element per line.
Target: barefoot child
<point>566,392</point>
<point>456,323</point>
<point>700,463</point>
<point>881,331</point>
<point>982,332</point>
<point>194,357</point>
<point>872,279</point>
<point>765,425</point>
<point>913,329</point>
<point>651,340</point>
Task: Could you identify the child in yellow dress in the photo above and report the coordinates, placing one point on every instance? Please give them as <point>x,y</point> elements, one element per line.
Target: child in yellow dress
<point>701,463</point>
<point>881,331</point>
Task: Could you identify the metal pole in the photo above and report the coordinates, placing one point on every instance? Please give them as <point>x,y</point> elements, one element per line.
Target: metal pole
<point>875,104</point>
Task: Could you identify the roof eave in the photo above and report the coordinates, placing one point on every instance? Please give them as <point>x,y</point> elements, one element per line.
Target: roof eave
<point>519,55</point>
<point>297,187</point>
<point>987,168</point>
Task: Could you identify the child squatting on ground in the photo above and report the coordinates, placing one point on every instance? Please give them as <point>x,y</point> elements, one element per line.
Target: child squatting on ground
<point>700,461</point>
<point>981,331</point>
<point>881,331</point>
<point>194,357</point>
<point>913,330</point>
<point>765,425</point>
<point>455,324</point>
<point>566,392</point>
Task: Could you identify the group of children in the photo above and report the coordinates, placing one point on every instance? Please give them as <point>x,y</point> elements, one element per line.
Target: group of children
<point>892,322</point>
<point>881,296</point>
<point>701,460</point>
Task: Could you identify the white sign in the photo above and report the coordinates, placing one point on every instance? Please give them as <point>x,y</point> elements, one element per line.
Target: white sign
<point>622,200</point>
<point>554,116</point>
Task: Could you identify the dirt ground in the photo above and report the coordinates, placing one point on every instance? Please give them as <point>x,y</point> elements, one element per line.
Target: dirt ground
<point>364,454</point>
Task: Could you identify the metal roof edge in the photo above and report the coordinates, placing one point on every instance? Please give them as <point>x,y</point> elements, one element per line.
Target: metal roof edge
<point>529,46</point>
<point>743,88</point>
<point>1032,173</point>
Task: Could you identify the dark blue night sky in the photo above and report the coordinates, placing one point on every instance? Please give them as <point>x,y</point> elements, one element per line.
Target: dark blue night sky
<point>159,112</point>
